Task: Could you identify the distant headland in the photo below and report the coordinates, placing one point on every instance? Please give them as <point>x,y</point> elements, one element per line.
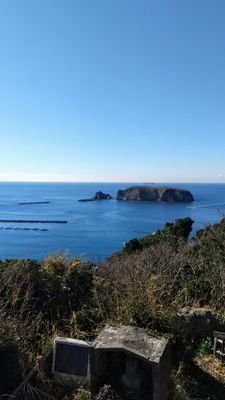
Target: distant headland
<point>155,194</point>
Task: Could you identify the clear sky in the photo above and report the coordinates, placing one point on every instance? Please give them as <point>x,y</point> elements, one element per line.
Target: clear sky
<point>112,90</point>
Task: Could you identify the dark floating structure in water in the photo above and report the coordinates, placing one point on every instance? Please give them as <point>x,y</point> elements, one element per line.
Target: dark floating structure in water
<point>12,228</point>
<point>33,202</point>
<point>32,221</point>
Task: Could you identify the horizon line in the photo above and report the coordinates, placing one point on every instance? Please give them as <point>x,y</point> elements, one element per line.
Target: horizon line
<point>137,182</point>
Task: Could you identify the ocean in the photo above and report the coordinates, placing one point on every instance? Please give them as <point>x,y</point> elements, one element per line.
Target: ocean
<point>93,230</point>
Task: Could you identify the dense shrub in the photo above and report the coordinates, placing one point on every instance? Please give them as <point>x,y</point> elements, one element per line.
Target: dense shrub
<point>166,273</point>
<point>107,393</point>
<point>173,232</point>
<point>209,263</point>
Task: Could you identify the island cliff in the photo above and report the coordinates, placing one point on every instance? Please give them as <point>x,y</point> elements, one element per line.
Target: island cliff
<point>98,196</point>
<point>156,194</point>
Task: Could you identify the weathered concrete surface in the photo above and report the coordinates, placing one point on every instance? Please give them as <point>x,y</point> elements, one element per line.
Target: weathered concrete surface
<point>132,339</point>
<point>135,364</point>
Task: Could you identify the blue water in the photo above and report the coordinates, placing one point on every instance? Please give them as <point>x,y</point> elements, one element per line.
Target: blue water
<point>94,229</point>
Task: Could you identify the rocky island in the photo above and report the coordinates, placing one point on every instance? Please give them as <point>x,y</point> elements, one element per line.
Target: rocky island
<point>98,196</point>
<point>155,194</point>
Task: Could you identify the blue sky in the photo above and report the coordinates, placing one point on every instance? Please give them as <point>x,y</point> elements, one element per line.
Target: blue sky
<point>112,90</point>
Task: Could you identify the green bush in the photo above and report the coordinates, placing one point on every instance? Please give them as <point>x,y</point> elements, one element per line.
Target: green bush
<point>172,232</point>
<point>107,393</point>
<point>84,394</point>
<point>205,347</point>
<point>132,245</point>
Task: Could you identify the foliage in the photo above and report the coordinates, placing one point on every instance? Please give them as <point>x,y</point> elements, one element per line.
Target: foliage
<point>83,394</point>
<point>181,228</point>
<point>209,263</point>
<point>145,284</point>
<point>132,245</point>
<point>172,232</point>
<point>58,288</point>
<point>67,286</point>
<point>39,300</point>
<point>178,383</point>
<point>107,393</point>
<point>205,347</point>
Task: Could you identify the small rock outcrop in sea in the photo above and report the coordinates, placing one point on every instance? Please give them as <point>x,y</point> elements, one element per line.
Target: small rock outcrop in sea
<point>155,194</point>
<point>98,196</point>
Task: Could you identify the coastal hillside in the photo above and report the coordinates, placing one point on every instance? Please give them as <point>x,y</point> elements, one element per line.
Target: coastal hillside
<point>166,283</point>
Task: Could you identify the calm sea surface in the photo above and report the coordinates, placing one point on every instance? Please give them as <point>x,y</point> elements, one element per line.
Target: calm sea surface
<point>94,229</point>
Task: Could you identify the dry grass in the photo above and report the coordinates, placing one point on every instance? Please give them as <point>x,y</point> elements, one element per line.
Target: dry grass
<point>212,366</point>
